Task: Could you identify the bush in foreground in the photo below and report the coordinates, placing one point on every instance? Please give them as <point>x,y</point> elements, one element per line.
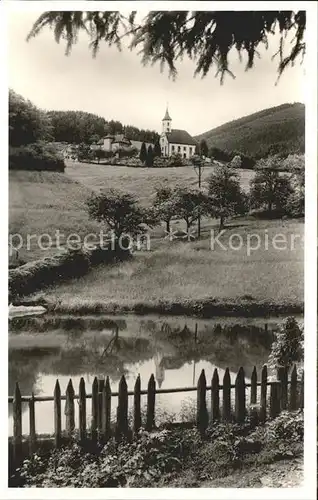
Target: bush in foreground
<point>157,458</point>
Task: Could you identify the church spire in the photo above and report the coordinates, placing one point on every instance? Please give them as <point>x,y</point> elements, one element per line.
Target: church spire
<point>167,116</point>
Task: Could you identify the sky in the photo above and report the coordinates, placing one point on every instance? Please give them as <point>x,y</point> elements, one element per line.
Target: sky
<point>117,86</point>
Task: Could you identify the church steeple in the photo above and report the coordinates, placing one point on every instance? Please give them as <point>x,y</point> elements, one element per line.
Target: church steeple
<point>167,116</point>
<point>166,122</point>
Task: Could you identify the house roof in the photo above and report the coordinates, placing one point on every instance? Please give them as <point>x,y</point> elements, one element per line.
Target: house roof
<point>118,138</point>
<point>180,137</point>
<point>167,116</point>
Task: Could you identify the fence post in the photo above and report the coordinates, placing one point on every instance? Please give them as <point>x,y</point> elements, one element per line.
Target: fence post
<point>254,386</point>
<point>57,415</point>
<point>101,383</point>
<point>227,395</point>
<point>69,409</point>
<point>215,397</point>
<point>94,410</point>
<point>32,434</point>
<point>106,407</point>
<point>82,410</point>
<point>263,401</point>
<point>202,412</point>
<point>137,412</point>
<point>17,424</point>
<point>151,399</point>
<point>282,377</point>
<point>240,396</point>
<point>274,408</point>
<point>293,389</point>
<point>122,409</point>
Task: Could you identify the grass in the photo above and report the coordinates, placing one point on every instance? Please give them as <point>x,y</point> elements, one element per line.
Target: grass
<point>189,277</point>
<point>175,277</point>
<point>140,181</point>
<point>42,203</point>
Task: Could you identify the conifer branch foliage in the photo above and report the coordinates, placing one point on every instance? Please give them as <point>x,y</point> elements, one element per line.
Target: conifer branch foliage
<point>164,37</point>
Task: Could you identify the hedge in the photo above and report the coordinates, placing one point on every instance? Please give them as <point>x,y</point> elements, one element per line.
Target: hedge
<point>68,264</point>
<point>37,156</point>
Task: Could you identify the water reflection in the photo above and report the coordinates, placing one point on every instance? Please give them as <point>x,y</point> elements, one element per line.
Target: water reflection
<point>175,350</point>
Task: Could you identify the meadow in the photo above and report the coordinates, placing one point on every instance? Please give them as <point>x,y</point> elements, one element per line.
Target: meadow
<point>176,272</point>
<point>40,203</point>
<point>142,182</point>
<point>190,272</point>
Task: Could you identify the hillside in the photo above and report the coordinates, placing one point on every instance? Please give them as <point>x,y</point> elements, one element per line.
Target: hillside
<point>40,203</point>
<point>279,129</point>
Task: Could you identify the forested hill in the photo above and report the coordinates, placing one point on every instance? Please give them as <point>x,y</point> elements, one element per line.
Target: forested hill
<point>79,126</point>
<point>279,129</point>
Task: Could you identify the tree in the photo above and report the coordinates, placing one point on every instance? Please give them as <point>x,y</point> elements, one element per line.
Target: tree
<point>27,123</point>
<point>236,162</point>
<point>150,156</point>
<point>288,346</point>
<point>165,205</point>
<point>94,139</point>
<point>219,155</point>
<point>269,188</point>
<point>84,152</point>
<point>157,150</point>
<point>189,205</point>
<point>119,211</point>
<point>165,37</point>
<point>75,127</point>
<point>225,195</point>
<point>295,164</point>
<point>204,150</point>
<point>143,153</point>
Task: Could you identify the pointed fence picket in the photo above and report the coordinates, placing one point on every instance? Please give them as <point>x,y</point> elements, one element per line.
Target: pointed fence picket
<point>285,392</point>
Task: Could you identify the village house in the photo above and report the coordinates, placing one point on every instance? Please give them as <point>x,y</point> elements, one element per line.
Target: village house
<point>118,142</point>
<point>175,141</point>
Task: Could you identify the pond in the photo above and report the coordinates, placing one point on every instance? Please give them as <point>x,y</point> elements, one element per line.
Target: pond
<point>175,349</point>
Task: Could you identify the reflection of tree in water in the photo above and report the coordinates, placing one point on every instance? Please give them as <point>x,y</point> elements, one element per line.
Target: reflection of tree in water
<point>92,357</point>
<point>75,324</point>
<point>224,346</point>
<point>24,367</point>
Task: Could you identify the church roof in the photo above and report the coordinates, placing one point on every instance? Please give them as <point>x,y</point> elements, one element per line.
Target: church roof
<point>167,116</point>
<point>180,137</point>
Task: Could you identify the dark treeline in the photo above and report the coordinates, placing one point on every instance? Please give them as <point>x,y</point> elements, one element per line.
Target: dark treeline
<point>78,127</point>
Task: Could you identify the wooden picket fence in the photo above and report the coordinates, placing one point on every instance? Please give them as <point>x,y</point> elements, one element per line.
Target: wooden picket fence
<point>283,394</point>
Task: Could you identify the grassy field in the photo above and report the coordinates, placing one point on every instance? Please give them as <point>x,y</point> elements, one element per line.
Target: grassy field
<point>43,202</point>
<point>141,181</point>
<point>176,271</point>
<point>187,272</point>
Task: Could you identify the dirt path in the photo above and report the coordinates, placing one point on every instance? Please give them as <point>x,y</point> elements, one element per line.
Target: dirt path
<point>284,474</point>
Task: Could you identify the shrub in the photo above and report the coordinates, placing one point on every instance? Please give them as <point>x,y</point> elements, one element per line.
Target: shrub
<point>37,156</point>
<point>69,264</point>
<point>119,211</point>
<point>127,152</point>
<point>288,346</point>
<point>269,188</point>
<point>134,464</point>
<point>226,198</point>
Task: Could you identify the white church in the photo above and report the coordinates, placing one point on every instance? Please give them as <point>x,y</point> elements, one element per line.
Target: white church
<point>175,141</point>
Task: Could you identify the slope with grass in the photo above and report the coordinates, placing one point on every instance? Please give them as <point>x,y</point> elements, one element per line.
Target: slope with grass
<point>40,203</point>
<point>142,182</point>
<point>188,277</point>
<point>277,129</point>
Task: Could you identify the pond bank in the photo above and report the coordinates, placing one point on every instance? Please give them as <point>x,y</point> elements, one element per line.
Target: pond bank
<point>204,308</point>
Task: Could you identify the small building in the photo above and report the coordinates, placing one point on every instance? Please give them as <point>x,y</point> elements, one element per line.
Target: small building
<point>115,142</point>
<point>175,141</point>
